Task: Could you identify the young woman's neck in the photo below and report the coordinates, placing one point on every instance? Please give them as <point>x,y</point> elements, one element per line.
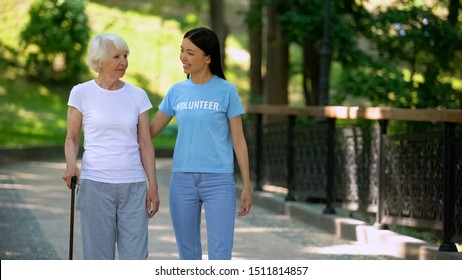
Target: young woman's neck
<point>201,78</point>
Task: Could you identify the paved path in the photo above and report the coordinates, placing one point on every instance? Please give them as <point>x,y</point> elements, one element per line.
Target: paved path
<point>34,223</point>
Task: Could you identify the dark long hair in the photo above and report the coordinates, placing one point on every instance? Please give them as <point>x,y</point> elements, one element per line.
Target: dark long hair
<point>207,40</point>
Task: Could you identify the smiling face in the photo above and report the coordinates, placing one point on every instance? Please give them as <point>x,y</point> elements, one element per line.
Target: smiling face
<point>194,60</point>
<point>115,64</point>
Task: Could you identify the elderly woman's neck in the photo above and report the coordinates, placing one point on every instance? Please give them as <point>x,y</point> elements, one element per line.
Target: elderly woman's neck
<point>109,83</point>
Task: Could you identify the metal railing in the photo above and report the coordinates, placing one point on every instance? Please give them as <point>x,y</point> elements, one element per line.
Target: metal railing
<point>410,179</point>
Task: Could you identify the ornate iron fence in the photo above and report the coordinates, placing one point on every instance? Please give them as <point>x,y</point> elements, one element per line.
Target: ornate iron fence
<point>410,179</point>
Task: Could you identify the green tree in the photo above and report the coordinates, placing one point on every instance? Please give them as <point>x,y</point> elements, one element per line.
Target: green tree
<point>55,40</point>
<point>254,21</point>
<point>303,25</point>
<point>426,45</point>
<point>275,86</point>
<point>219,25</point>
<point>416,54</point>
<point>404,55</point>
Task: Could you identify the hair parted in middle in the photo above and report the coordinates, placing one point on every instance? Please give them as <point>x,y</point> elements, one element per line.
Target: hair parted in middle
<point>207,40</point>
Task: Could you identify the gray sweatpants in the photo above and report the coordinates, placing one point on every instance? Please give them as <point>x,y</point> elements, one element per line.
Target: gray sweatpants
<point>113,215</point>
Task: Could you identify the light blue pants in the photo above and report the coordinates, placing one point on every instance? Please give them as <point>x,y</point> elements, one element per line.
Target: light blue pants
<point>217,192</point>
<point>113,215</point>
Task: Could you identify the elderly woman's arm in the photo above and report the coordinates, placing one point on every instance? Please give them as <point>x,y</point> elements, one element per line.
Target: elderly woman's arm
<point>71,144</point>
<point>149,164</point>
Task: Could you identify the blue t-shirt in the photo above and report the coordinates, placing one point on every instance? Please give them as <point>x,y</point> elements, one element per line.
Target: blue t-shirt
<point>203,111</point>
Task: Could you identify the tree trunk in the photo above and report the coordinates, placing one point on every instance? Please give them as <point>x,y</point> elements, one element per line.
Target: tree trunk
<point>454,6</point>
<point>277,62</point>
<point>310,74</point>
<point>325,57</point>
<point>218,22</point>
<point>255,24</point>
<point>277,66</point>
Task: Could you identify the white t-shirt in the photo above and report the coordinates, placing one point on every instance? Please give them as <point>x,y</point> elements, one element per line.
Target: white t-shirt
<point>110,125</point>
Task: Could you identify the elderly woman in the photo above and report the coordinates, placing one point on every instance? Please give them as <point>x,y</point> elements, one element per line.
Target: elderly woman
<point>113,198</point>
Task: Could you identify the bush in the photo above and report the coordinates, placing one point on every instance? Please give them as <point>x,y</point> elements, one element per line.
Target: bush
<point>55,40</point>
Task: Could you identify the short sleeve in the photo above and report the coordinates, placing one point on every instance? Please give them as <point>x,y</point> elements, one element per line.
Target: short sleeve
<point>75,97</point>
<point>145,103</point>
<point>165,105</point>
<point>235,107</point>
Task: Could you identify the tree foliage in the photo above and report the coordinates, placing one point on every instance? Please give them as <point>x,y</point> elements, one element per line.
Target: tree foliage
<point>425,45</point>
<point>402,55</point>
<point>55,40</point>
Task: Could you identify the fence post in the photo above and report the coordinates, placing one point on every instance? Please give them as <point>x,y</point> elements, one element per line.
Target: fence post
<point>290,159</point>
<point>258,151</point>
<point>330,167</point>
<point>381,174</point>
<point>449,187</point>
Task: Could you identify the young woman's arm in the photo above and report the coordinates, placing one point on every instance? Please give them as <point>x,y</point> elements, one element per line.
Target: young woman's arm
<point>158,123</point>
<point>242,155</point>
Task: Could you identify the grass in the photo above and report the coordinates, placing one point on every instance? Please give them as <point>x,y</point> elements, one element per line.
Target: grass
<point>32,115</point>
<point>429,236</point>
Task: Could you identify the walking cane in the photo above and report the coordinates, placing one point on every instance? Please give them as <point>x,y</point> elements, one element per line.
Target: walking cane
<point>71,239</point>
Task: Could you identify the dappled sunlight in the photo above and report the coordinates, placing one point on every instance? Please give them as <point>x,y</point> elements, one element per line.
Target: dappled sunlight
<point>167,238</point>
<point>163,211</point>
<point>236,257</point>
<point>29,114</point>
<point>260,235</point>
<point>346,250</point>
<point>275,189</point>
<point>343,112</point>
<point>18,187</point>
<point>162,256</point>
<point>43,91</point>
<point>159,227</point>
<point>261,229</point>
<point>238,55</point>
<point>372,5</point>
<point>162,164</point>
<point>9,108</point>
<point>50,165</point>
<point>337,112</point>
<point>51,190</point>
<point>4,177</point>
<point>35,207</point>
<point>26,176</point>
<point>372,113</point>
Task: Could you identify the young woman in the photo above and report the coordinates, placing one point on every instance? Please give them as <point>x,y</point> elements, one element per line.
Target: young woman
<point>113,198</point>
<point>208,113</point>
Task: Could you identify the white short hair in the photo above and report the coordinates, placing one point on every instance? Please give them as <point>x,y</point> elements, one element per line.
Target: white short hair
<point>97,52</point>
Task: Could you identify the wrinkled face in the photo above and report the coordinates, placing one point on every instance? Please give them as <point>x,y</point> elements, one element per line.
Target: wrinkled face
<point>193,58</point>
<point>116,63</point>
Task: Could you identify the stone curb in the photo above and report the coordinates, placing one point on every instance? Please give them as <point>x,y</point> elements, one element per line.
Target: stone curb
<point>389,242</point>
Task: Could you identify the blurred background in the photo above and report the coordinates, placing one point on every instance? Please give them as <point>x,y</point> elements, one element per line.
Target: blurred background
<point>399,53</point>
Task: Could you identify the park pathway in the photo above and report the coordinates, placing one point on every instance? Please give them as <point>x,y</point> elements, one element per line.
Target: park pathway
<point>35,211</point>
